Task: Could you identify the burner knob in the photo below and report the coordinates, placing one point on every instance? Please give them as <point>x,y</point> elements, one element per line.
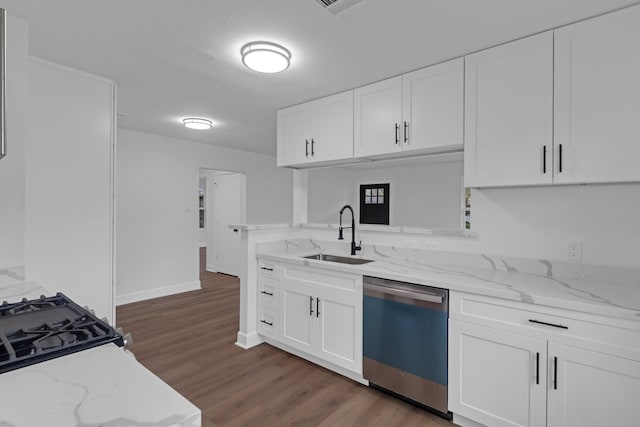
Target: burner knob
<point>128,340</point>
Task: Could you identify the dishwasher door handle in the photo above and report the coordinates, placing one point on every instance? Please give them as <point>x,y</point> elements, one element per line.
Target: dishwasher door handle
<point>404,293</point>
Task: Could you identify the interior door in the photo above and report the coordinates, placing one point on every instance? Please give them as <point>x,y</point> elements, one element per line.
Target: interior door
<point>228,209</point>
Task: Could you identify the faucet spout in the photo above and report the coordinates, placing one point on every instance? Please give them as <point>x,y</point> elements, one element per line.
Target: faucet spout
<point>354,247</point>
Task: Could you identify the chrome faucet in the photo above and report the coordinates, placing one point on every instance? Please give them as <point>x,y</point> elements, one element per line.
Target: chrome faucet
<point>354,248</point>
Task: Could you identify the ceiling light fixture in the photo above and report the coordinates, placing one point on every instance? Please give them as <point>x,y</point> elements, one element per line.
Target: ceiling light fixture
<point>265,57</point>
<point>196,123</point>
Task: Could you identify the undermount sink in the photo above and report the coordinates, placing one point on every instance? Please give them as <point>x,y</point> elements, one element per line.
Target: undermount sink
<point>337,258</point>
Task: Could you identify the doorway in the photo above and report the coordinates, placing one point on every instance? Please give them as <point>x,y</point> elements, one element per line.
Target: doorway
<point>224,204</point>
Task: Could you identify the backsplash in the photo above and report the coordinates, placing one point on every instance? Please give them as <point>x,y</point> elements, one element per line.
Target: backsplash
<point>538,267</point>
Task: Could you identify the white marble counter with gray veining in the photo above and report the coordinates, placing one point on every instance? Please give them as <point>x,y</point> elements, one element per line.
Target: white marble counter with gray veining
<point>101,386</point>
<point>361,228</point>
<point>603,290</point>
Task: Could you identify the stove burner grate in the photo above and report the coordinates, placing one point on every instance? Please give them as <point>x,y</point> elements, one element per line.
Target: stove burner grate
<point>48,327</point>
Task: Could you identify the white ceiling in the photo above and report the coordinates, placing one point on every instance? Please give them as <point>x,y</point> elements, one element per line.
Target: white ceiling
<point>178,58</point>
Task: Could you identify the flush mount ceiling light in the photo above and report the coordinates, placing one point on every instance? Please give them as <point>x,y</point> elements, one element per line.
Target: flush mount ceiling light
<point>196,123</point>
<point>265,57</point>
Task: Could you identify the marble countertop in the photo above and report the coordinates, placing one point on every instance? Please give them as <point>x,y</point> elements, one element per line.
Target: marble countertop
<point>608,291</point>
<point>101,386</point>
<point>361,228</point>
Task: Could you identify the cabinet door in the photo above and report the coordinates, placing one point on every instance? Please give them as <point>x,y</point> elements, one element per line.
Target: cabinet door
<point>509,113</point>
<point>294,134</point>
<point>496,378</point>
<point>597,98</point>
<point>340,329</point>
<point>297,311</point>
<point>377,116</point>
<point>433,107</point>
<point>332,137</point>
<point>591,389</point>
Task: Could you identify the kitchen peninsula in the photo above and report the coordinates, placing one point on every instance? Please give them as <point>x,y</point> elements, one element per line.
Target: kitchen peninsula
<point>532,328</point>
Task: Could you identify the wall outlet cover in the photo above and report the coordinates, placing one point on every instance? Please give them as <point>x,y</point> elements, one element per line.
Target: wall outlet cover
<point>574,251</point>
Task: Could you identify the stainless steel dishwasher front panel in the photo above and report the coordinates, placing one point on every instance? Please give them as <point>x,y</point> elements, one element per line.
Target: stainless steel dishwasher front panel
<point>405,340</point>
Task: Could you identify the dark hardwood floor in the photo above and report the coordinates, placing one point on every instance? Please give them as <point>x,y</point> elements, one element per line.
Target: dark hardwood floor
<point>188,341</point>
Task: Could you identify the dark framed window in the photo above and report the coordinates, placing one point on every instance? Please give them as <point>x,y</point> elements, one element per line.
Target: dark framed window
<point>374,204</point>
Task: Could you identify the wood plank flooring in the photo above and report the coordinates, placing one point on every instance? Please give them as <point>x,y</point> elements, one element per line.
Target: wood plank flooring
<point>188,341</point>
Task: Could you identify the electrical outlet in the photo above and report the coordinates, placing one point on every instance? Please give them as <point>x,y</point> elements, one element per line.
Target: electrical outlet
<point>433,245</point>
<point>574,251</point>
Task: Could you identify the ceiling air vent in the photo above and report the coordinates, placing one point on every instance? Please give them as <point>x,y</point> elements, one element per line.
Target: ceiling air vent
<point>337,6</point>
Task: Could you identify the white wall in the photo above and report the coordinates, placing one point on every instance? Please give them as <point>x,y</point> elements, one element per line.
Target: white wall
<point>69,184</point>
<point>157,233</point>
<point>12,167</point>
<point>424,194</point>
<point>529,222</point>
<point>539,222</point>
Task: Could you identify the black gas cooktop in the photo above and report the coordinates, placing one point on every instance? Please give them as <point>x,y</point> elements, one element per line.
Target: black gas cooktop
<point>41,329</point>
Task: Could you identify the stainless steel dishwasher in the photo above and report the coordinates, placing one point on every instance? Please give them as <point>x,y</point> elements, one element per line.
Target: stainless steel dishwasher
<point>405,340</point>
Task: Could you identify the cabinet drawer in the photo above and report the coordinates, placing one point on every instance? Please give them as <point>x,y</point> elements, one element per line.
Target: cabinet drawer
<point>266,268</point>
<point>542,321</point>
<point>268,292</point>
<point>323,277</point>
<point>268,322</point>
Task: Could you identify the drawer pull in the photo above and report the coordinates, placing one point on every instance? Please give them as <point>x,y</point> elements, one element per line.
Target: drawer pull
<point>267,293</point>
<point>537,368</point>
<point>539,322</point>
<point>311,306</point>
<point>267,323</point>
<point>317,307</point>
<point>266,268</point>
<point>555,373</point>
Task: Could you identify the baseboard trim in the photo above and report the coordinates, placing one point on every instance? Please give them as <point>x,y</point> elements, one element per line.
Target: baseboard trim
<point>465,422</point>
<point>247,341</point>
<point>157,292</point>
<point>318,361</point>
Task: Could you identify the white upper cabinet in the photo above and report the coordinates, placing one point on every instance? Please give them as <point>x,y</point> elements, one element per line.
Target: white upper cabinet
<point>597,99</point>
<point>294,127</point>
<point>420,111</point>
<point>433,107</point>
<point>316,131</point>
<point>377,117</point>
<point>509,114</point>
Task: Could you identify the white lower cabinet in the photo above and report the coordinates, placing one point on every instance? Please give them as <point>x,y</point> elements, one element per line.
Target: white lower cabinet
<point>323,321</point>
<point>588,388</point>
<point>320,314</point>
<point>496,378</point>
<point>509,366</point>
<point>298,311</point>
